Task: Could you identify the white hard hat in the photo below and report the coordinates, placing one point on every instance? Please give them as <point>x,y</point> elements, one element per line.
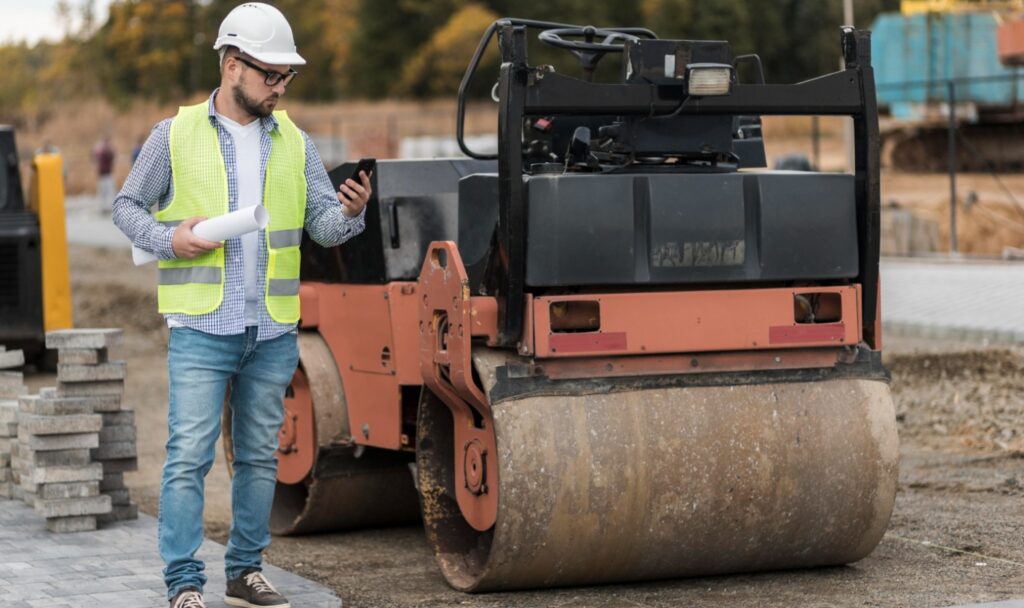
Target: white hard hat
<point>261,31</point>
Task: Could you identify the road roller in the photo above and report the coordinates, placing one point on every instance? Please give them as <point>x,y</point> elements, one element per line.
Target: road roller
<point>618,348</point>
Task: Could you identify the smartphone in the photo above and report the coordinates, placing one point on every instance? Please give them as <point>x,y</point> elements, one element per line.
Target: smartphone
<point>364,164</point>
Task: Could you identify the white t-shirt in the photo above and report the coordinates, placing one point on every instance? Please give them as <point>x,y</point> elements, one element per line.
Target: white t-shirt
<point>250,193</point>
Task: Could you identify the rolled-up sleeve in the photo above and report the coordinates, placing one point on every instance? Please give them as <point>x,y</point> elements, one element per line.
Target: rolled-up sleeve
<point>148,183</point>
<point>325,222</point>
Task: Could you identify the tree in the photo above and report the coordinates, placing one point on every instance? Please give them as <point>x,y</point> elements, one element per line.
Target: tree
<point>162,49</point>
<point>149,47</point>
<point>387,36</point>
<point>437,67</point>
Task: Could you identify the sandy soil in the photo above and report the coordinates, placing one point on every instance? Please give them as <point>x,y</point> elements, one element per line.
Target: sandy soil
<point>954,536</point>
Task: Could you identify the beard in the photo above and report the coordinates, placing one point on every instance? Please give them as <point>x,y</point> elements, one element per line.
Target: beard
<point>259,109</point>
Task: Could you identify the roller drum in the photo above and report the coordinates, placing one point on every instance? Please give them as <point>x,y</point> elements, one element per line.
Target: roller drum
<point>669,482</point>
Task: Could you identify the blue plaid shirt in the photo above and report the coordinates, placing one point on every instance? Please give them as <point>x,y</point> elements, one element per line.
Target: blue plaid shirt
<point>150,182</point>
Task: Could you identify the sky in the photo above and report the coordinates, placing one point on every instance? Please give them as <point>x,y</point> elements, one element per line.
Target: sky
<point>34,20</point>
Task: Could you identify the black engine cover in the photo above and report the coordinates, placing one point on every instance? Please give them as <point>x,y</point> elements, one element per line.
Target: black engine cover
<point>589,230</point>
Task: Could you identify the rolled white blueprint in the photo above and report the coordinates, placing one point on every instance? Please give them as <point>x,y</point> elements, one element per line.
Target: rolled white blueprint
<point>220,228</point>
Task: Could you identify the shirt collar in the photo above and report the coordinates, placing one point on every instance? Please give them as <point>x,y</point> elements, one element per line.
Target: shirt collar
<point>269,122</point>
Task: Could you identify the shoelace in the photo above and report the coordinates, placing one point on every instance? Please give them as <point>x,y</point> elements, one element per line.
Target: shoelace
<point>190,599</point>
<point>257,581</point>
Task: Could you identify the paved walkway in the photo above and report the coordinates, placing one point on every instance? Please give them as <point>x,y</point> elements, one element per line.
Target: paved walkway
<point>89,224</point>
<point>969,301</point>
<point>115,567</point>
<point>1006,604</point>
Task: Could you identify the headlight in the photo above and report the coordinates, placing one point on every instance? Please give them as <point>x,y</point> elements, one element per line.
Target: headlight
<point>705,79</point>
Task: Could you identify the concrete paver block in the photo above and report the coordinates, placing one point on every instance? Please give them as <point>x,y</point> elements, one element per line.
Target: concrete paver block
<point>97,403</point>
<point>112,481</point>
<point>89,389</point>
<point>13,391</point>
<point>7,378</point>
<point>72,441</point>
<point>124,417</point>
<point>80,523</point>
<point>121,465</point>
<point>119,513</point>
<point>52,406</point>
<point>119,497</point>
<point>72,507</point>
<point>59,425</point>
<point>8,411</point>
<point>82,356</point>
<point>44,458</point>
<point>76,489</point>
<point>83,338</point>
<point>71,373</point>
<point>11,358</point>
<point>66,474</point>
<point>117,432</point>
<point>115,450</point>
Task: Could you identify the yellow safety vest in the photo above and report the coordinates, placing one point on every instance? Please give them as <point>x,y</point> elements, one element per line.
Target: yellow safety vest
<point>196,286</point>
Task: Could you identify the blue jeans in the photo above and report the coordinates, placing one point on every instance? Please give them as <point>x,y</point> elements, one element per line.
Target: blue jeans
<point>201,369</point>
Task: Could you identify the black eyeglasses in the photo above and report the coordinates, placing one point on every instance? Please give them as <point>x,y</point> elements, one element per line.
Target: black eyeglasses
<point>270,78</point>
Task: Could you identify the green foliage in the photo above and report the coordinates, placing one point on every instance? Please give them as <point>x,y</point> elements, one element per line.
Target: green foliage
<point>387,35</point>
<point>162,49</point>
<point>436,68</point>
<point>149,48</point>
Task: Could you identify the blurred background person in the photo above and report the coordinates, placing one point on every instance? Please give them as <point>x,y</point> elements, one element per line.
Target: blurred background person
<point>103,157</point>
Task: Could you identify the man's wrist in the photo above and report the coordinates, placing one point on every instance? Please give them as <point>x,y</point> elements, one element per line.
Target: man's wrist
<point>163,243</point>
<point>352,218</point>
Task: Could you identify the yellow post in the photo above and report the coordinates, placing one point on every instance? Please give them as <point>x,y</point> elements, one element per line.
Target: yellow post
<point>48,204</point>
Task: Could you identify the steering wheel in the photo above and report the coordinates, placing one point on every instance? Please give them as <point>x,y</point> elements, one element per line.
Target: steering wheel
<point>589,50</point>
<point>554,37</point>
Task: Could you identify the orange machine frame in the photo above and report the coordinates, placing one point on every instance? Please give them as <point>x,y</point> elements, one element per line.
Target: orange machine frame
<point>373,331</point>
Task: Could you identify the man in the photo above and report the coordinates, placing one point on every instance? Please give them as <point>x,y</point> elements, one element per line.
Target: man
<point>232,308</point>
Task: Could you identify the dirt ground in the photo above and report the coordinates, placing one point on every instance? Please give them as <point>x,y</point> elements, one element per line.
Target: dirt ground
<point>955,535</point>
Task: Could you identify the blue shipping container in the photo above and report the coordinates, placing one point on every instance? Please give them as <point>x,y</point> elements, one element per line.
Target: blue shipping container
<point>931,48</point>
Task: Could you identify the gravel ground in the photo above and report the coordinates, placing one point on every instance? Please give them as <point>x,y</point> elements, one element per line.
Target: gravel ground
<point>954,538</point>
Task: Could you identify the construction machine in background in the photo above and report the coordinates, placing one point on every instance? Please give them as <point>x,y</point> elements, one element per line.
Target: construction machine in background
<point>35,285</point>
<point>609,353</point>
<point>960,53</point>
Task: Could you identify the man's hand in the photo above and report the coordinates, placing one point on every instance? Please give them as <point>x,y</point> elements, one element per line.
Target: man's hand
<point>353,196</point>
<point>186,244</point>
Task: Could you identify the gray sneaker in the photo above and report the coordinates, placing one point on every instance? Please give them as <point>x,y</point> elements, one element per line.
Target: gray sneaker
<point>188,598</point>
<point>253,590</point>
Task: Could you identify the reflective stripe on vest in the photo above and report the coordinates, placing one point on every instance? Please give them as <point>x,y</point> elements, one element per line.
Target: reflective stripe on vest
<point>285,238</point>
<point>283,287</point>
<point>193,274</point>
<point>200,189</point>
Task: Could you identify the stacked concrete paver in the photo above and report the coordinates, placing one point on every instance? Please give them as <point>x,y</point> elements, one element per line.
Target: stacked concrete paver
<point>12,384</point>
<point>52,457</point>
<point>84,372</point>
